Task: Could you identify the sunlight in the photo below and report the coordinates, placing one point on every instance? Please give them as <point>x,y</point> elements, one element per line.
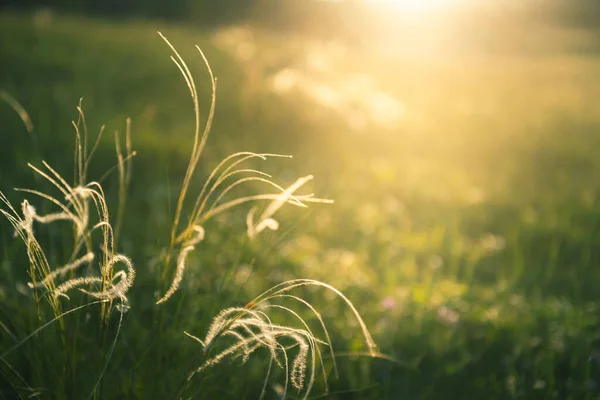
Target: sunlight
<point>413,5</point>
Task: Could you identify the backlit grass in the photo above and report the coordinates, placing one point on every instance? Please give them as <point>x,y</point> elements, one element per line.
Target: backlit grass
<point>465,230</point>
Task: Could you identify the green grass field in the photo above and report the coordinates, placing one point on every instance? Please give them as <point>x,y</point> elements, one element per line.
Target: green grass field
<point>465,228</point>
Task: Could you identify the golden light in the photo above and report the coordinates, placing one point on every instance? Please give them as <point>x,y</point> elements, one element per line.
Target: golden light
<point>413,5</point>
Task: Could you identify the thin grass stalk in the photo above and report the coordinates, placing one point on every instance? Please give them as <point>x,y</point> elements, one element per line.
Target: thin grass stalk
<point>199,143</point>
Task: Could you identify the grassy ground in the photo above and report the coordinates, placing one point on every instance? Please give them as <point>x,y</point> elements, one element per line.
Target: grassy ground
<point>465,227</point>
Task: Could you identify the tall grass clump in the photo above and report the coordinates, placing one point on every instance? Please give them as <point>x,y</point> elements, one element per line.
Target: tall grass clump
<point>94,275</point>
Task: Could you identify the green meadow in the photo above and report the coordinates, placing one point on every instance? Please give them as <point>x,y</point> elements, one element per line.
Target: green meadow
<point>465,227</point>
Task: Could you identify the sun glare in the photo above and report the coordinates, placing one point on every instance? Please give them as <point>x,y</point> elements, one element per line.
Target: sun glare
<point>412,5</point>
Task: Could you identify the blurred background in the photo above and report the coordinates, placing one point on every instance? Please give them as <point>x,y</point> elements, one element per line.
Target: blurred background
<point>458,138</point>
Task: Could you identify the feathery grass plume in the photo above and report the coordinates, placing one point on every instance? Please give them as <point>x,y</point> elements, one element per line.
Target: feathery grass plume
<point>251,329</point>
<point>88,258</point>
<point>265,220</point>
<point>224,178</point>
<point>187,248</point>
<point>81,201</point>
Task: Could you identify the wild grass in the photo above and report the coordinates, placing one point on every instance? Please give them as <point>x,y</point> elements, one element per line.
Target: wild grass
<point>465,232</point>
<point>106,277</point>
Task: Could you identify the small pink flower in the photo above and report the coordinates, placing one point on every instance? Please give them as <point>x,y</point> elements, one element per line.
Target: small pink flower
<point>388,303</point>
